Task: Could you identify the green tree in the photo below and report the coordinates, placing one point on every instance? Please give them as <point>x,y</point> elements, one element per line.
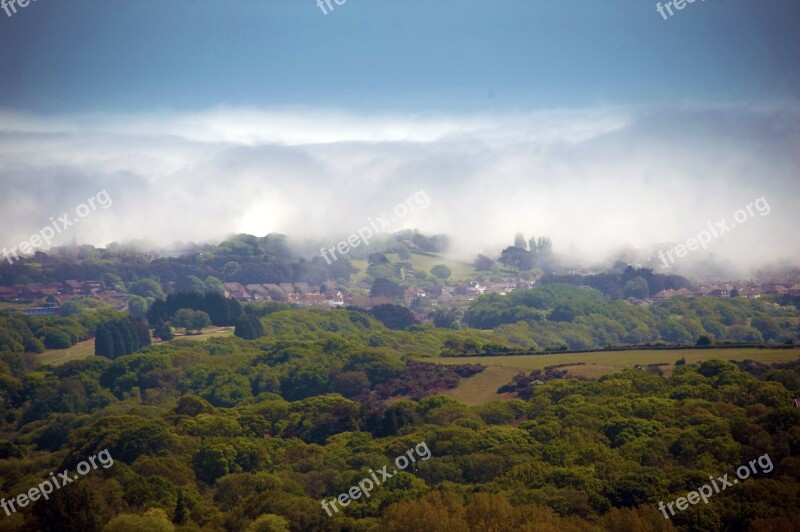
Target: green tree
<point>200,321</point>
<point>214,285</point>
<point>147,288</point>
<point>154,519</point>
<point>269,523</point>
<point>180,515</point>
<point>164,332</point>
<point>383,287</point>
<point>441,271</point>
<point>636,288</point>
<point>215,460</point>
<point>191,320</point>
<point>483,263</point>
<point>73,508</point>
<point>54,338</point>
<point>103,341</point>
<point>111,281</point>
<point>137,307</point>
<point>249,327</point>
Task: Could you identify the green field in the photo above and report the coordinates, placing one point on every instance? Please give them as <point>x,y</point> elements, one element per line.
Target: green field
<point>461,270</point>
<point>82,350</point>
<point>623,359</point>
<point>483,387</point>
<point>56,357</point>
<point>208,332</point>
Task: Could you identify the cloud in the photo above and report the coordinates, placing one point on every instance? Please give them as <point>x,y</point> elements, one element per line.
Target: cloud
<point>594,180</point>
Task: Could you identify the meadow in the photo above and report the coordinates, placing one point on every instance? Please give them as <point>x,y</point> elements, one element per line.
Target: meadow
<point>482,387</point>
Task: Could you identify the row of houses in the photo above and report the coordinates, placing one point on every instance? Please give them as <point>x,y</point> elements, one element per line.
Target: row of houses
<point>56,293</point>
<point>749,290</point>
<point>31,291</point>
<point>346,293</point>
<point>302,293</point>
<point>462,293</point>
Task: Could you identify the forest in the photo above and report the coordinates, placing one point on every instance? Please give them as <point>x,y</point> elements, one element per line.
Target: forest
<point>234,434</point>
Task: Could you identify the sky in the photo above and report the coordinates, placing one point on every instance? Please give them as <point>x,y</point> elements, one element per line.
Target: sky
<point>599,124</point>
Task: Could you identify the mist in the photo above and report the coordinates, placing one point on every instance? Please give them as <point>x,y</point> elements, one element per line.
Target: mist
<point>594,180</point>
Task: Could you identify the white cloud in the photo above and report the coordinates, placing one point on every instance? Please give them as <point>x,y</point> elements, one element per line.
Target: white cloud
<point>595,179</point>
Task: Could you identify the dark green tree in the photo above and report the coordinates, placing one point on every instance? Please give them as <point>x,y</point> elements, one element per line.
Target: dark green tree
<point>164,332</point>
<point>249,327</point>
<point>179,516</point>
<point>103,341</point>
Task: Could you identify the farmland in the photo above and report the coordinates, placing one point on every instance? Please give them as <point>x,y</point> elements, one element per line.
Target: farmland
<point>500,370</point>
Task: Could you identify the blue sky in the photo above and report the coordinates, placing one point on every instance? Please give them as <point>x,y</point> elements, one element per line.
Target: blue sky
<point>407,55</point>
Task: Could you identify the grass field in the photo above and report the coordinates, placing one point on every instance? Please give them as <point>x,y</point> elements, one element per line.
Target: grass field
<point>207,333</point>
<point>82,350</point>
<point>56,357</point>
<point>483,387</point>
<point>461,270</point>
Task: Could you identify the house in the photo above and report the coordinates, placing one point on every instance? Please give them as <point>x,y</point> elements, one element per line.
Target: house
<point>436,291</point>
<point>91,287</point>
<point>750,293</point>
<point>276,292</point>
<point>237,291</point>
<point>413,293</point>
<point>258,292</point>
<point>73,286</point>
<point>8,293</point>
<point>31,291</point>
<point>302,288</point>
<point>335,299</point>
<point>776,289</point>
<point>288,288</point>
<point>478,289</point>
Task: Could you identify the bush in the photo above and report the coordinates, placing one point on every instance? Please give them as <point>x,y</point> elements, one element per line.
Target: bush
<point>55,338</point>
<point>164,332</point>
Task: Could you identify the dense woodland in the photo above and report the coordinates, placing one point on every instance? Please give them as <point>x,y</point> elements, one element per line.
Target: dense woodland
<point>230,434</point>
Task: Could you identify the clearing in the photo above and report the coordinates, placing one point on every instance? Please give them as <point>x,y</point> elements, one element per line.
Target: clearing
<point>482,388</point>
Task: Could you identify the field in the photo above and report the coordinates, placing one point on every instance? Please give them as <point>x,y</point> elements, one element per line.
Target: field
<point>208,332</point>
<point>461,270</point>
<point>483,387</point>
<point>81,350</point>
<point>56,357</point>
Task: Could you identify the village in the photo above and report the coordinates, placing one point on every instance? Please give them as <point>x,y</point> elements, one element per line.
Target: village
<point>45,299</point>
